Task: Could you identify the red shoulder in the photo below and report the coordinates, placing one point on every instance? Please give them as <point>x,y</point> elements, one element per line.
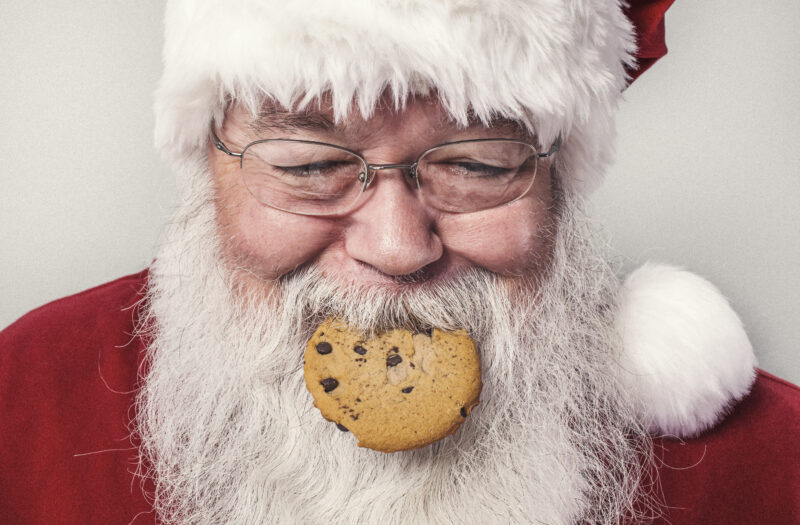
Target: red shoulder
<point>90,306</point>
<point>73,332</point>
<point>779,389</point>
<point>746,469</point>
<point>68,376</point>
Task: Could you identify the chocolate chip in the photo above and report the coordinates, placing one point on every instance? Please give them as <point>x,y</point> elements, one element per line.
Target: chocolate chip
<point>360,350</point>
<point>324,348</point>
<point>329,384</point>
<point>463,412</point>
<point>407,390</point>
<point>394,360</point>
<point>342,427</point>
<point>395,349</point>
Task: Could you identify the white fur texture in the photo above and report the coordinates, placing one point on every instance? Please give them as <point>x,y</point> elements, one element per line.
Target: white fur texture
<point>686,357</point>
<point>555,65</point>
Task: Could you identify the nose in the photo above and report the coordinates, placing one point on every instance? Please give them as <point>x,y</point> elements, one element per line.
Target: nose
<point>392,231</point>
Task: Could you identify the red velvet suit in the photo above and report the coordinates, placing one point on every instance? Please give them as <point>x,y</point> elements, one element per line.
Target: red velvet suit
<point>69,370</point>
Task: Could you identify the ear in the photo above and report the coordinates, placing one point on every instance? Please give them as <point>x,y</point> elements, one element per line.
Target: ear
<point>686,357</point>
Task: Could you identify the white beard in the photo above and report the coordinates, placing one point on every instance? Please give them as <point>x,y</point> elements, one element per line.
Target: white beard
<point>231,436</point>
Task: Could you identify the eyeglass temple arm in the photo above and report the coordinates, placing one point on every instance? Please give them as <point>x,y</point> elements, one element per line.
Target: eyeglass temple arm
<point>218,143</point>
<point>554,148</point>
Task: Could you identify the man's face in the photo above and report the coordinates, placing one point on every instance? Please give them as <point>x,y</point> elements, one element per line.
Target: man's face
<point>390,233</point>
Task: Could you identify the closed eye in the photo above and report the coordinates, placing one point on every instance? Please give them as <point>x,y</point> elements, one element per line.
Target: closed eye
<point>478,169</point>
<point>314,169</point>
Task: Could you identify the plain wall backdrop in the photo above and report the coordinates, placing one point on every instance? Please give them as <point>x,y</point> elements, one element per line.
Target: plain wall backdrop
<point>706,177</point>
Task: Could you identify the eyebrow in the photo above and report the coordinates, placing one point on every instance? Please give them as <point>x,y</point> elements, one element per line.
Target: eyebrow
<point>504,125</point>
<point>501,125</point>
<point>287,121</point>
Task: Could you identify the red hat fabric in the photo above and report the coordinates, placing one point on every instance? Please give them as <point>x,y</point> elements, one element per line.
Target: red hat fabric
<point>648,19</point>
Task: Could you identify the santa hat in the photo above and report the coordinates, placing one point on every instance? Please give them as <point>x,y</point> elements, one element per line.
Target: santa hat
<point>559,66</point>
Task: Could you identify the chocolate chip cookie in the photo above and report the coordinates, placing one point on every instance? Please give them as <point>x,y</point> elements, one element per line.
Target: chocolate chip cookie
<point>397,391</point>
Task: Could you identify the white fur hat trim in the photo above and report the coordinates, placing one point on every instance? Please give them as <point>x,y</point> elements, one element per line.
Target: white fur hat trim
<point>686,357</point>
<point>556,65</point>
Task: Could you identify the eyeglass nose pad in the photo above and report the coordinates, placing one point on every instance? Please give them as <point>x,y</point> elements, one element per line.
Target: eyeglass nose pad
<point>365,177</point>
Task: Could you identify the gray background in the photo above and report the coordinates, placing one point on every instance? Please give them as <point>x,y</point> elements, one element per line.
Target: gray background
<point>707,171</point>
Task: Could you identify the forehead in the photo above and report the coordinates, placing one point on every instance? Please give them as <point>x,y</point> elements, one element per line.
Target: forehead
<point>417,116</point>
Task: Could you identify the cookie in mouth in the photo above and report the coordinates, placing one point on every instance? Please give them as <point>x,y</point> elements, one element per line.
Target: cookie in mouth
<point>398,390</point>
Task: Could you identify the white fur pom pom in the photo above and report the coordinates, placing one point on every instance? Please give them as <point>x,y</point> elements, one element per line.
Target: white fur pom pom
<point>686,356</point>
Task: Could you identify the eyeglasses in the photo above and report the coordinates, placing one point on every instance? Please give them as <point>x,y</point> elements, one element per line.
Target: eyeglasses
<point>314,178</point>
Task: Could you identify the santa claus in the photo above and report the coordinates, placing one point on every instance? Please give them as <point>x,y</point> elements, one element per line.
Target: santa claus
<point>394,165</point>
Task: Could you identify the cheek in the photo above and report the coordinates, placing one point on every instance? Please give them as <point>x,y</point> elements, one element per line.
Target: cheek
<point>510,240</point>
<point>267,242</point>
